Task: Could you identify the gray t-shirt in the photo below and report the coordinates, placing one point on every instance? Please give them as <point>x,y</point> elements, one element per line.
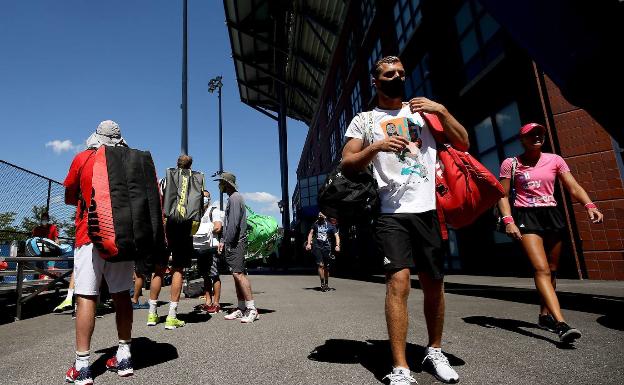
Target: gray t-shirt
<point>235,220</point>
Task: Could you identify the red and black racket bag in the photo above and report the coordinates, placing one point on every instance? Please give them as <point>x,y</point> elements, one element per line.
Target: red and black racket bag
<point>125,214</point>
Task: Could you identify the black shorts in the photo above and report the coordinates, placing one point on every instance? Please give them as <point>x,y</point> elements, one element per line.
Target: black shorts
<point>143,267</point>
<point>539,220</point>
<point>411,241</point>
<point>180,243</point>
<point>322,255</point>
<point>235,256</point>
<point>208,262</point>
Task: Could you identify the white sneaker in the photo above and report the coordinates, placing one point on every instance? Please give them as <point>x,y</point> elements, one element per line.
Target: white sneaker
<point>400,376</point>
<point>236,314</point>
<point>436,363</point>
<point>250,316</point>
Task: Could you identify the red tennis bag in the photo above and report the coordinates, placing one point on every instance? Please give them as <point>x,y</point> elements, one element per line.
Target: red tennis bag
<point>465,189</point>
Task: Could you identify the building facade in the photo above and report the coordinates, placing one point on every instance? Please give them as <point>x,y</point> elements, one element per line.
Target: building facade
<point>457,54</point>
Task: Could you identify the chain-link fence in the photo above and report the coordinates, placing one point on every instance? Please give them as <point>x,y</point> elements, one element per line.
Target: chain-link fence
<point>24,197</point>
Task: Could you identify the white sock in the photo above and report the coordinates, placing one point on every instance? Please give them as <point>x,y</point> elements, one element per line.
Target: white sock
<point>431,348</point>
<point>70,294</point>
<point>241,305</point>
<point>250,304</point>
<point>82,360</point>
<point>123,350</point>
<point>173,309</point>
<point>401,370</point>
<point>153,304</point>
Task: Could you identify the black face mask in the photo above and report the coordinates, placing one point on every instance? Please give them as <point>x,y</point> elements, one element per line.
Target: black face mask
<point>392,88</point>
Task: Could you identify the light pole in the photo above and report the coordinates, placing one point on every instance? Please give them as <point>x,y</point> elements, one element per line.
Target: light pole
<point>214,84</point>
<point>184,105</point>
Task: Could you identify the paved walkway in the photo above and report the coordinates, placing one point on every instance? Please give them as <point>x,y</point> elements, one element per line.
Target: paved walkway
<point>308,337</point>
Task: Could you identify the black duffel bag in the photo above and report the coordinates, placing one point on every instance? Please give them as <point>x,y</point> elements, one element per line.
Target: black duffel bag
<point>349,198</point>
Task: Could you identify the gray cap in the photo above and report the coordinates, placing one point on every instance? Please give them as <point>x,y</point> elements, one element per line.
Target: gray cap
<point>229,178</point>
<point>107,133</point>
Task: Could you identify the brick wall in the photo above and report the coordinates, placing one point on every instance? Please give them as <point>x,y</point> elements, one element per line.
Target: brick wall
<point>588,150</point>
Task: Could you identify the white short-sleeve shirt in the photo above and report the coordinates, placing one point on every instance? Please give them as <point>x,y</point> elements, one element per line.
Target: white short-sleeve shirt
<point>406,180</point>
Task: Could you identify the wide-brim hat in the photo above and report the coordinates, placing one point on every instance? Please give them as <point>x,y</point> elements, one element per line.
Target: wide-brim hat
<point>229,178</point>
<point>107,133</point>
<point>531,127</point>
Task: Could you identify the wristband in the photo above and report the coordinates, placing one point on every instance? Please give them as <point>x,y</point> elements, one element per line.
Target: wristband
<point>590,205</point>
<point>508,219</point>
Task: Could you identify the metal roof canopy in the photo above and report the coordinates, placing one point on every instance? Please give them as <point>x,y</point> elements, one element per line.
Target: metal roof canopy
<point>309,32</point>
<point>281,51</point>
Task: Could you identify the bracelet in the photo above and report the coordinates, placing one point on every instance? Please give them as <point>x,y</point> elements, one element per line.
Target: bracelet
<point>507,219</point>
<point>590,205</point>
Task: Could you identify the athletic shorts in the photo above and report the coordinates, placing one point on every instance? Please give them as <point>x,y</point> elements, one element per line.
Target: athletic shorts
<point>208,262</point>
<point>180,243</point>
<point>322,255</point>
<point>411,241</point>
<point>235,256</point>
<point>89,268</point>
<point>539,220</point>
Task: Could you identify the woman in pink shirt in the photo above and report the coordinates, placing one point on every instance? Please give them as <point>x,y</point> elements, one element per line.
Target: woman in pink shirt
<point>536,220</point>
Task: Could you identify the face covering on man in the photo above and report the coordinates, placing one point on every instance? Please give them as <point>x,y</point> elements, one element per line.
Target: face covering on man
<point>392,88</point>
<point>206,201</point>
<point>45,222</point>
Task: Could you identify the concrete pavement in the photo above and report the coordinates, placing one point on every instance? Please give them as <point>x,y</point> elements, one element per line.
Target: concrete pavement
<point>308,337</point>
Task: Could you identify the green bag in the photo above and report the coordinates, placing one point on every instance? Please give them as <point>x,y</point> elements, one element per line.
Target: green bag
<point>262,234</point>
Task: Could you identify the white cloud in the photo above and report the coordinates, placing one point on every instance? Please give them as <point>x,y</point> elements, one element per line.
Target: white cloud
<point>61,146</point>
<point>261,197</point>
<point>267,203</point>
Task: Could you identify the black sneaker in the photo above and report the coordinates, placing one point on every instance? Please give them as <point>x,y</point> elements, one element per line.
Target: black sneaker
<point>566,333</point>
<point>547,322</point>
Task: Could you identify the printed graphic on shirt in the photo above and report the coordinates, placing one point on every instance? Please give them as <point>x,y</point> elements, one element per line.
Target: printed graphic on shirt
<point>410,157</point>
<point>524,178</point>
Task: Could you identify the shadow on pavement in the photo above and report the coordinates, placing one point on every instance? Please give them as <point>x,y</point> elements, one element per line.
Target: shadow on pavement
<point>145,353</point>
<point>374,355</point>
<point>609,306</point>
<point>515,326</point>
<point>317,288</point>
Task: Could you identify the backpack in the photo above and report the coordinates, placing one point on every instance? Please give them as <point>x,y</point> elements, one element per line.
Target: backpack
<point>183,199</point>
<point>125,214</point>
<point>464,187</point>
<point>42,247</point>
<point>261,231</point>
<point>351,198</point>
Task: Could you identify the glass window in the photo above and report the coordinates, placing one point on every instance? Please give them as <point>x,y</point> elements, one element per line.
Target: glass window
<point>342,127</point>
<point>356,100</point>
<point>368,9</point>
<point>407,18</point>
<point>419,83</point>
<point>489,27</point>
<point>508,121</point>
<point>351,51</point>
<point>463,18</point>
<point>484,133</point>
<point>303,182</point>
<point>491,161</point>
<point>321,179</point>
<point>332,145</point>
<point>372,59</point>
<point>513,149</point>
<point>477,32</point>
<point>469,46</point>
<point>305,192</point>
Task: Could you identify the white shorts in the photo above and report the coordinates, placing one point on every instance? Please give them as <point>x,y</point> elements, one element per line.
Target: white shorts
<point>89,268</point>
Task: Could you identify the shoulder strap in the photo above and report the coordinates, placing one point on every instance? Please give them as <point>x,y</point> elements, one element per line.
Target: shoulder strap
<point>210,213</point>
<point>512,184</point>
<point>435,127</point>
<point>368,127</point>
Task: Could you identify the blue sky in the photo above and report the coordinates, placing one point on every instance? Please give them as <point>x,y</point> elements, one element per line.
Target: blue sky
<point>67,65</point>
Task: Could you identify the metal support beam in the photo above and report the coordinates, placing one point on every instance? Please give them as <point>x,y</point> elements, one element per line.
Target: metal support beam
<point>274,76</point>
<point>297,55</point>
<point>326,25</point>
<point>184,105</point>
<point>318,35</point>
<point>262,111</point>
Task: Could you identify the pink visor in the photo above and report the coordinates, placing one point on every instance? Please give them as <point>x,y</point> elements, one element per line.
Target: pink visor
<point>530,127</point>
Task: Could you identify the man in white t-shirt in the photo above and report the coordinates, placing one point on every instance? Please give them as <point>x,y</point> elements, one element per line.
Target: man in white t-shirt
<point>397,140</point>
<point>205,243</point>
